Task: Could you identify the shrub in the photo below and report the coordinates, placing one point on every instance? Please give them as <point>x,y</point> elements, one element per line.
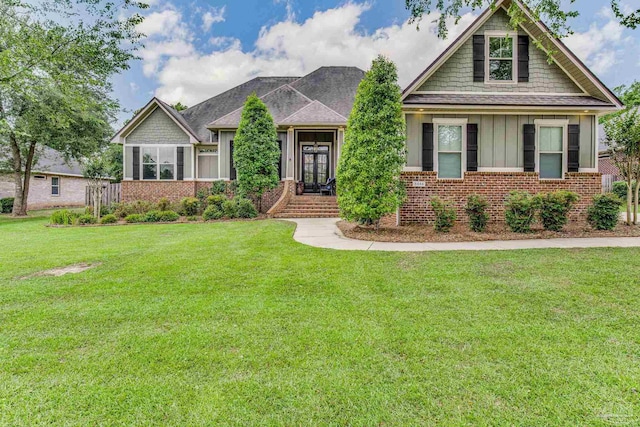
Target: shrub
<point>445,215</point>
<point>620,190</point>
<point>6,205</point>
<point>604,212</point>
<point>62,217</point>
<point>520,211</point>
<point>245,208</point>
<point>202,195</point>
<point>109,219</point>
<point>164,204</point>
<point>477,211</point>
<point>230,209</point>
<point>152,216</point>
<point>86,219</point>
<point>135,218</point>
<point>168,216</point>
<point>216,200</point>
<point>190,206</point>
<point>554,208</point>
<point>193,218</point>
<point>212,213</point>
<point>218,187</point>
<point>122,210</point>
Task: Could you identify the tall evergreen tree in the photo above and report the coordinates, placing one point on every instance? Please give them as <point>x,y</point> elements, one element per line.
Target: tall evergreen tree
<point>255,151</point>
<point>368,175</point>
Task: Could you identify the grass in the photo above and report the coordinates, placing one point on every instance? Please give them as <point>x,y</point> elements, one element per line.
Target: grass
<point>235,323</point>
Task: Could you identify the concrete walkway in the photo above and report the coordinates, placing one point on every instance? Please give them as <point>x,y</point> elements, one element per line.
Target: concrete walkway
<point>324,233</point>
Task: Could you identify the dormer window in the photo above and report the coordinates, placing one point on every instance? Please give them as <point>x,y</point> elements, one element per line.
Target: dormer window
<point>500,58</point>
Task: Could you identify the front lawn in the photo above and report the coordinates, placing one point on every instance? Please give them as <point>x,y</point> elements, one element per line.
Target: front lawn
<point>237,324</point>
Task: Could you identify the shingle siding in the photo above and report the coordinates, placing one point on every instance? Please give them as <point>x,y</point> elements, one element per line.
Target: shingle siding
<point>157,128</point>
<point>457,73</point>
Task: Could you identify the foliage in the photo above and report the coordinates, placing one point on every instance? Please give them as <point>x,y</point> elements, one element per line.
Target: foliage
<point>122,210</point>
<point>87,219</point>
<point>620,189</point>
<point>193,218</point>
<point>255,150</point>
<point>372,157</point>
<point>168,216</point>
<point>604,212</point>
<point>152,216</point>
<point>202,195</point>
<point>190,206</point>
<point>230,209</point>
<point>520,211</point>
<point>216,201</point>
<point>94,170</point>
<point>445,215</point>
<point>6,204</point>
<point>133,218</point>
<point>476,209</point>
<point>164,204</point>
<point>178,106</point>
<point>554,208</point>
<point>245,208</point>
<point>212,212</point>
<point>109,219</point>
<point>63,217</point>
<point>218,187</point>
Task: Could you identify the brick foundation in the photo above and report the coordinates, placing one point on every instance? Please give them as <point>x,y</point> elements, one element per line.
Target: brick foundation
<point>495,186</point>
<point>153,191</point>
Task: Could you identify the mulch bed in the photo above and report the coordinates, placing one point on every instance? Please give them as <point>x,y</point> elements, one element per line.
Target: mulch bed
<point>461,233</point>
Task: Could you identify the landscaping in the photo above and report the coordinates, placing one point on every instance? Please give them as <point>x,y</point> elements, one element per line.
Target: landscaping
<point>235,323</point>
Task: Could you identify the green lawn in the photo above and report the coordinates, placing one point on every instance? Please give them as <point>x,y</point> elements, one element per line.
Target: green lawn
<point>237,324</point>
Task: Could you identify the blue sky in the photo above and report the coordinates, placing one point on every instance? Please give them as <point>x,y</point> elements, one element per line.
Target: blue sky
<point>196,49</point>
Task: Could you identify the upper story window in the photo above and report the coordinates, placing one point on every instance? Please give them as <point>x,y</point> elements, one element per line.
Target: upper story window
<point>500,58</point>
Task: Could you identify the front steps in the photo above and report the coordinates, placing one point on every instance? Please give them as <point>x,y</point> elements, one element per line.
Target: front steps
<point>310,207</point>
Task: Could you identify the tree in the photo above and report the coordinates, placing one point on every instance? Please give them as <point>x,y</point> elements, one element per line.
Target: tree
<point>368,175</point>
<point>178,106</point>
<point>114,161</point>
<point>255,151</point>
<point>623,138</point>
<point>96,170</point>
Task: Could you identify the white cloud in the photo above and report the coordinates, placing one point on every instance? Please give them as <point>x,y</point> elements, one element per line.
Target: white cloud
<point>159,23</point>
<point>134,87</point>
<point>329,37</point>
<point>288,4</point>
<point>211,17</point>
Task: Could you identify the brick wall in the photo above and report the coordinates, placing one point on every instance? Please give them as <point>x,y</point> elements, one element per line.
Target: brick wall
<point>72,191</point>
<point>153,191</point>
<point>495,186</point>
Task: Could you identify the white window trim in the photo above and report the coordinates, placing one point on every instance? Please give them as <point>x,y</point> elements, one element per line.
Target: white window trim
<point>565,143</point>
<point>450,122</point>
<point>198,154</point>
<point>58,178</point>
<point>158,164</point>
<point>514,69</point>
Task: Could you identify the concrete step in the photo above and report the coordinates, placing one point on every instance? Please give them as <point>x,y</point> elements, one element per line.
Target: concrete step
<point>305,215</point>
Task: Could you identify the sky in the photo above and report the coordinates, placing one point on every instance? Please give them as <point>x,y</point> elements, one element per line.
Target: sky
<point>196,49</point>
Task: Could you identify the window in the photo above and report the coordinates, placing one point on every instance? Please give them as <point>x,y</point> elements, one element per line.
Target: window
<point>40,177</point>
<point>167,162</point>
<point>551,152</point>
<point>158,163</point>
<point>149,163</point>
<point>450,143</point>
<point>208,162</point>
<point>500,58</point>
<point>55,186</point>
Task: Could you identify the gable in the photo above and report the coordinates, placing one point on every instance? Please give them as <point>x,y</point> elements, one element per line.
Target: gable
<point>456,74</point>
<point>157,128</point>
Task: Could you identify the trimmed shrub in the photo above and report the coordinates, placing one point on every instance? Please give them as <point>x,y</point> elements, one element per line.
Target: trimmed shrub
<point>63,217</point>
<point>476,209</point>
<point>620,190</point>
<point>122,210</point>
<point>520,211</point>
<point>604,212</point>
<point>230,209</point>
<point>168,216</point>
<point>109,219</point>
<point>193,218</point>
<point>152,216</point>
<point>133,218</point>
<point>164,204</point>
<point>554,208</point>
<point>245,208</point>
<point>218,187</point>
<point>212,213</point>
<point>6,205</point>
<point>190,206</point>
<point>445,215</point>
<point>202,195</point>
<point>216,200</point>
<point>86,219</point>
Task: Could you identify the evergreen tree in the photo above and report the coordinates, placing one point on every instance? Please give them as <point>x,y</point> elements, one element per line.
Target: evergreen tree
<point>368,175</point>
<point>255,151</point>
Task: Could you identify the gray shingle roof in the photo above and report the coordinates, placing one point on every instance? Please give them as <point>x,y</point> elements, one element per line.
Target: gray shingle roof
<point>314,113</point>
<point>524,100</point>
<point>52,161</point>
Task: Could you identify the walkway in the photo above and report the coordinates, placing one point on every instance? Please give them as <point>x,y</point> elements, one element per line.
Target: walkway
<point>324,233</point>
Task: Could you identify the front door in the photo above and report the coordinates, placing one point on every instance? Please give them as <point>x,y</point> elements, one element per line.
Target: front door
<point>315,167</point>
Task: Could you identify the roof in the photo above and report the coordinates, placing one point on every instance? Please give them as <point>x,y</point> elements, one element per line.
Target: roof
<point>50,161</point>
<point>314,113</point>
<point>508,99</point>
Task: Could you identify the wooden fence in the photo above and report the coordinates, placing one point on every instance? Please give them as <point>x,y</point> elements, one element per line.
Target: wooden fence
<point>110,194</point>
<point>607,183</point>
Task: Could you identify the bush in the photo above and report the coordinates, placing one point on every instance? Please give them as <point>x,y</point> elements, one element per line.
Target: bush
<point>133,218</point>
<point>620,190</point>
<point>164,204</point>
<point>202,195</point>
<point>477,211</point>
<point>230,209</point>
<point>109,219</point>
<point>216,200</point>
<point>245,208</point>
<point>122,210</point>
<point>520,211</point>
<point>211,213</point>
<point>190,206</point>
<point>554,208</point>
<point>63,217</point>
<point>445,215</point>
<point>152,216</point>
<point>218,187</point>
<point>604,212</point>
<point>193,218</point>
<point>168,216</point>
<point>86,219</point>
<point>6,205</point>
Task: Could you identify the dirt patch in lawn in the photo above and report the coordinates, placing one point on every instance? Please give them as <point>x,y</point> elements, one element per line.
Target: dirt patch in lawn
<point>61,271</point>
<point>461,233</point>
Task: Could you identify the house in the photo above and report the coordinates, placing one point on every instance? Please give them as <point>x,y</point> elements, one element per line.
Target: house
<point>489,115</point>
<point>54,182</point>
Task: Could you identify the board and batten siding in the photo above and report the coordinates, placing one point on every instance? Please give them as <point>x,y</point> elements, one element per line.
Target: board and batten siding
<point>157,128</point>
<point>500,137</point>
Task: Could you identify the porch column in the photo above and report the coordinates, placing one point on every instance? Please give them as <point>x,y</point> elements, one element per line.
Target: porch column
<point>290,153</point>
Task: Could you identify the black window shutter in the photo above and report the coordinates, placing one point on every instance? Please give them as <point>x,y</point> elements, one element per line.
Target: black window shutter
<point>472,147</point>
<point>232,170</point>
<point>523,59</point>
<point>427,146</point>
<point>136,163</point>
<point>478,58</point>
<point>573,157</point>
<point>280,161</point>
<point>180,164</point>
<point>529,142</point>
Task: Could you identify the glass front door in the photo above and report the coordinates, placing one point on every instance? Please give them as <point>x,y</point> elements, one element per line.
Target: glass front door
<point>315,167</point>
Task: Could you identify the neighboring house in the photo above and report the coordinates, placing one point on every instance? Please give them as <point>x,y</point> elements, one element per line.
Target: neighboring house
<point>488,116</point>
<point>54,182</point>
